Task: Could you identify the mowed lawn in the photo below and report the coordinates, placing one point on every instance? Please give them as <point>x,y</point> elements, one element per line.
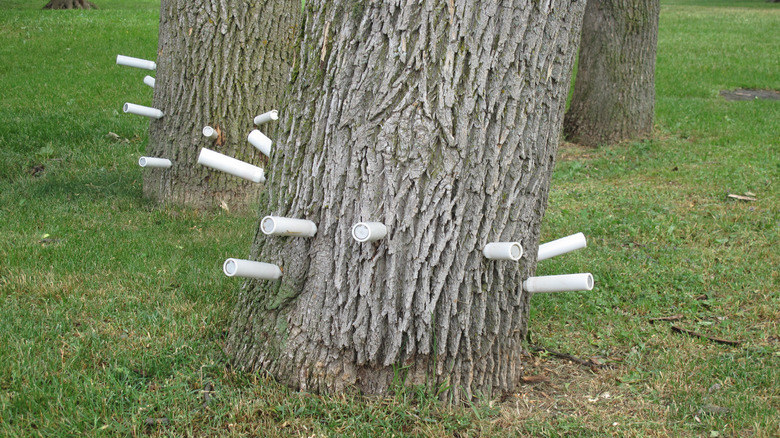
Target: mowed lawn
<point>114,309</point>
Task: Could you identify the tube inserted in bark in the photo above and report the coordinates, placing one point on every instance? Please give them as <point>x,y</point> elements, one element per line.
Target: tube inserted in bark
<point>163,163</point>
<point>230,165</point>
<point>260,142</point>
<point>210,133</point>
<point>136,62</point>
<point>284,226</point>
<point>561,246</point>
<point>251,269</point>
<point>148,80</point>
<point>559,283</point>
<point>503,251</point>
<point>369,231</point>
<point>141,110</point>
<point>266,117</point>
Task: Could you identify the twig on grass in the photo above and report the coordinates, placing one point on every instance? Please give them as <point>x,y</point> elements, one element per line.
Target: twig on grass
<point>677,317</point>
<point>577,360</point>
<point>699,335</point>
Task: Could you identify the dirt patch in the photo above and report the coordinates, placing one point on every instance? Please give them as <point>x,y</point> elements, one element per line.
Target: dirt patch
<point>749,94</point>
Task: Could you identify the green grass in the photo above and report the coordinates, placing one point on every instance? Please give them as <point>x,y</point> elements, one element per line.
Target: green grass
<point>114,309</point>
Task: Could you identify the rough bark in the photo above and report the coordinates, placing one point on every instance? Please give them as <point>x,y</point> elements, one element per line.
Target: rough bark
<point>440,119</point>
<point>614,91</point>
<point>220,63</point>
<point>70,4</point>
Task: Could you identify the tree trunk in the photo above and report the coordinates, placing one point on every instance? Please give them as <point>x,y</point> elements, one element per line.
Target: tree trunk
<point>220,63</point>
<point>614,91</point>
<point>70,4</point>
<point>441,120</point>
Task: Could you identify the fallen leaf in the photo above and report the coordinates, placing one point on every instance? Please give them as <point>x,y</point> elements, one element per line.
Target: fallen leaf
<point>742,198</point>
<point>535,379</point>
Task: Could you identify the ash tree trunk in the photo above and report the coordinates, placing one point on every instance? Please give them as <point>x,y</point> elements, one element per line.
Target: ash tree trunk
<point>220,63</point>
<point>614,91</point>
<point>70,4</point>
<point>440,119</point>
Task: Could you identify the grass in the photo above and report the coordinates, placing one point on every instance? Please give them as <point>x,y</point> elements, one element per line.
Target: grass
<point>114,309</point>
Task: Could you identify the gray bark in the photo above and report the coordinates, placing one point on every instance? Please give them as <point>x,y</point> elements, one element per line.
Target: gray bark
<point>220,63</point>
<point>440,119</point>
<point>70,4</point>
<point>614,91</point>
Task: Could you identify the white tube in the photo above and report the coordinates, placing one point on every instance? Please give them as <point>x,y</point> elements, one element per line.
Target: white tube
<point>266,117</point>
<point>148,80</point>
<point>210,133</point>
<point>368,231</point>
<point>284,226</point>
<point>503,251</point>
<point>559,283</point>
<point>142,110</point>
<point>260,142</point>
<point>154,162</point>
<point>230,165</point>
<point>561,246</point>
<point>135,62</point>
<point>251,269</point>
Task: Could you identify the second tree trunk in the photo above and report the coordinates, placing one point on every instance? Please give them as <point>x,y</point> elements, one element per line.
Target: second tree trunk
<point>614,91</point>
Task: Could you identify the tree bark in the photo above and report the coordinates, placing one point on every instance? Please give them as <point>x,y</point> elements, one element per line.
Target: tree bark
<point>70,4</point>
<point>614,91</point>
<point>220,63</point>
<point>440,119</point>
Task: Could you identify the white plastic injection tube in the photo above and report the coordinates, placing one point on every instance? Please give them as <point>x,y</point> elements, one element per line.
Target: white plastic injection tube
<point>230,165</point>
<point>266,117</point>
<point>559,283</point>
<point>503,251</point>
<point>285,226</point>
<point>369,231</point>
<point>210,133</point>
<point>148,80</point>
<point>260,141</point>
<point>251,269</point>
<point>163,163</point>
<point>561,246</point>
<point>141,110</point>
<point>136,62</point>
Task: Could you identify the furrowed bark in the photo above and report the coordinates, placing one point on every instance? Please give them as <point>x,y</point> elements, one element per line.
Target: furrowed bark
<point>220,63</point>
<point>441,120</point>
<point>614,92</point>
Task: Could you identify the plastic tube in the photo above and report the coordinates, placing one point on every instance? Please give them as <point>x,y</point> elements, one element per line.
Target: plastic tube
<point>559,283</point>
<point>368,231</point>
<point>251,269</point>
<point>260,142</point>
<point>136,62</point>
<point>561,246</point>
<point>210,133</point>
<point>266,117</point>
<point>284,226</point>
<point>142,110</point>
<point>154,162</point>
<point>230,165</point>
<point>148,80</point>
<point>503,251</point>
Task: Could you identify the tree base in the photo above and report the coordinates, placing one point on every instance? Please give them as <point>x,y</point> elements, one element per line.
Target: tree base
<point>70,4</point>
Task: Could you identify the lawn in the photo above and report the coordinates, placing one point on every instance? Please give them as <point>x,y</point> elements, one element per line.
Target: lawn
<point>114,309</point>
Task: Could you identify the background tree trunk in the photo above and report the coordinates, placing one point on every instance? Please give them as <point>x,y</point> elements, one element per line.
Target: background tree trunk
<point>440,119</point>
<point>614,91</point>
<point>220,63</point>
<point>70,4</point>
